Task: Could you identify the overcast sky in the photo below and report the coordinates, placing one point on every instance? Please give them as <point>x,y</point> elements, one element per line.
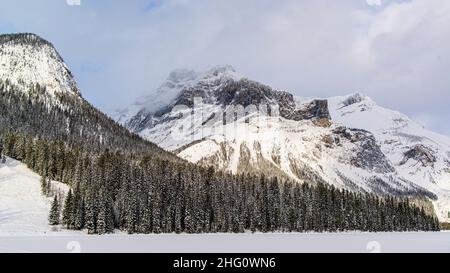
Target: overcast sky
<point>397,52</point>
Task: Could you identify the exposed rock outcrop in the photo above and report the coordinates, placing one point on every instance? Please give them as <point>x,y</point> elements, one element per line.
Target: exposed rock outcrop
<point>419,153</point>
<point>369,155</point>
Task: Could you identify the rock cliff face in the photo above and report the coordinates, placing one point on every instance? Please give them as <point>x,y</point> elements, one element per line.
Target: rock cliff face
<point>223,90</point>
<point>369,155</point>
<point>419,153</point>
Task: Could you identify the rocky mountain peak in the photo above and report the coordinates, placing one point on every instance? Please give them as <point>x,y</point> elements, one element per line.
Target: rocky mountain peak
<point>352,99</point>
<point>222,86</point>
<point>244,92</point>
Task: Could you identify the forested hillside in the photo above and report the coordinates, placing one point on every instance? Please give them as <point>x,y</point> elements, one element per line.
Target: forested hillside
<point>71,120</point>
<point>110,191</point>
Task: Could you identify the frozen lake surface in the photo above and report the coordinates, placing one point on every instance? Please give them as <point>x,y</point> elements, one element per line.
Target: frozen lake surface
<point>225,243</point>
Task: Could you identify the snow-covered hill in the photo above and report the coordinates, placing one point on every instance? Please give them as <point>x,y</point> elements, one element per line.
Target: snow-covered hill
<point>303,139</point>
<point>23,209</point>
<point>27,60</point>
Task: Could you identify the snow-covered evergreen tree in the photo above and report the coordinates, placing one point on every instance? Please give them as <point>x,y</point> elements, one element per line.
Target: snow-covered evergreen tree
<point>55,212</point>
<point>68,211</point>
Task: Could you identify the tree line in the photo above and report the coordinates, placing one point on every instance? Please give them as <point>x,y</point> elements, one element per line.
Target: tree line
<point>110,190</point>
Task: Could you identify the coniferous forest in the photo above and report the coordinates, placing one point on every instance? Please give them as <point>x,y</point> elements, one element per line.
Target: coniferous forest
<point>119,181</point>
<point>159,196</point>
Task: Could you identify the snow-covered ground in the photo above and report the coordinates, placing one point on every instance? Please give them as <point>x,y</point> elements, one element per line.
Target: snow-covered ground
<point>23,210</point>
<point>416,242</point>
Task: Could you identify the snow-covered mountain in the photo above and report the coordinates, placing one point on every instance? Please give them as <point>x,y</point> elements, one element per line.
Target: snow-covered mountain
<point>39,97</point>
<point>218,118</point>
<point>27,60</point>
<point>417,154</point>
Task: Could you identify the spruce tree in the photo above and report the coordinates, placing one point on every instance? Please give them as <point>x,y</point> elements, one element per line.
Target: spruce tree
<point>54,215</point>
<point>44,186</point>
<point>68,216</point>
<point>79,212</point>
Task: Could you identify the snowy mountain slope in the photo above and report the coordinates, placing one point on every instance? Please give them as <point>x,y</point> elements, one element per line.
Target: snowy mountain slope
<point>307,140</point>
<point>23,209</point>
<point>300,150</point>
<point>27,60</point>
<point>418,154</point>
<point>277,137</point>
